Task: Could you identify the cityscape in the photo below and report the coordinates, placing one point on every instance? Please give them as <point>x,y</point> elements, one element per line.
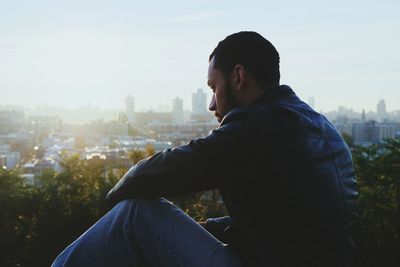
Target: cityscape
<point>90,88</point>
<point>34,143</point>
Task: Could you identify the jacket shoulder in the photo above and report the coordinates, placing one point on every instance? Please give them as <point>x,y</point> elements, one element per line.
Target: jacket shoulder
<point>248,114</point>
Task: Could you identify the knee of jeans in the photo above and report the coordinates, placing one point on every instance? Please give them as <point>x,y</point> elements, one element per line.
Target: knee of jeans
<point>147,210</point>
<point>133,211</point>
<point>150,205</point>
<point>125,204</point>
<point>143,211</point>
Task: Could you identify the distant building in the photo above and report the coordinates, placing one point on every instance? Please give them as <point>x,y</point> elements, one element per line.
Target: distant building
<point>48,122</point>
<point>130,109</point>
<point>372,132</point>
<point>43,125</point>
<point>10,160</point>
<point>363,117</point>
<point>381,112</point>
<point>381,107</point>
<point>184,132</point>
<point>151,117</point>
<point>177,111</point>
<point>199,107</point>
<point>199,102</point>
<point>97,128</point>
<point>5,148</point>
<point>36,168</point>
<point>111,128</point>
<point>11,121</point>
<point>345,128</point>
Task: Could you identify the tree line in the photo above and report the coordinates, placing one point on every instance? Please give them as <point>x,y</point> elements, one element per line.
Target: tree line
<point>37,222</point>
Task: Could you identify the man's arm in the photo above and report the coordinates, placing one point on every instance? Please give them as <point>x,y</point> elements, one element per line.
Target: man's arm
<point>202,164</point>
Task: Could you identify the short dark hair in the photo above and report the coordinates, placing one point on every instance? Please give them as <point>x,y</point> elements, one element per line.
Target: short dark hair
<point>257,55</point>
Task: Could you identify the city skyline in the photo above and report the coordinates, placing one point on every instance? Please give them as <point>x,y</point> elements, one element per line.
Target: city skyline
<point>72,53</point>
<point>167,105</point>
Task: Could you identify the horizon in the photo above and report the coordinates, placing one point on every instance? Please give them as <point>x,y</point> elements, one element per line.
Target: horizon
<point>160,107</point>
<point>96,53</point>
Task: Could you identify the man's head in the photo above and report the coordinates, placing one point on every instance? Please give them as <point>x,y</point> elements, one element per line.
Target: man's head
<point>241,67</point>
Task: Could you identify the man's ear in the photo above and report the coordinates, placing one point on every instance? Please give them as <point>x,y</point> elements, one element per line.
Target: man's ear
<point>239,76</point>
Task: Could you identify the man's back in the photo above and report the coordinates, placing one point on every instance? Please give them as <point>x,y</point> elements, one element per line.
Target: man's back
<point>292,192</point>
<point>285,174</point>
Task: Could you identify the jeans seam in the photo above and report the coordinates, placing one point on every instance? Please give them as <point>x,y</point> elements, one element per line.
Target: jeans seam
<point>100,250</point>
<point>157,237</point>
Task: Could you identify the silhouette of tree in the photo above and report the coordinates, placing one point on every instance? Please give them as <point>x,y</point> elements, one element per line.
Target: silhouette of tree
<point>136,155</point>
<point>37,222</point>
<point>378,175</point>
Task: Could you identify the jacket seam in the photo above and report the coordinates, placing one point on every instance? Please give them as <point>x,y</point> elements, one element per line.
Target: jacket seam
<point>338,176</point>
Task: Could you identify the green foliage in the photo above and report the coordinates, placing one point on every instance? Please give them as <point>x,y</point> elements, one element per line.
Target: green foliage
<point>203,205</point>
<point>15,217</point>
<point>137,155</point>
<point>36,223</point>
<point>378,175</point>
<point>347,138</point>
<point>150,150</point>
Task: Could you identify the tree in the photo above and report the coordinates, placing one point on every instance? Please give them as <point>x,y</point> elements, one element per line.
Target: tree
<point>136,155</point>
<point>378,175</point>
<point>347,138</point>
<point>17,217</point>
<point>202,205</point>
<point>150,150</point>
<point>36,223</point>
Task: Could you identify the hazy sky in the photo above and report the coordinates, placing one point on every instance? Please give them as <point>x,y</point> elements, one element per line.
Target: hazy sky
<point>73,53</point>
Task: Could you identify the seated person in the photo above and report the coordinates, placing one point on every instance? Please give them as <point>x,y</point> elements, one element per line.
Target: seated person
<point>285,174</point>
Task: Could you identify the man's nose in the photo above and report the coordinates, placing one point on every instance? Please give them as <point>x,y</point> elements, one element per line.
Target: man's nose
<point>213,105</point>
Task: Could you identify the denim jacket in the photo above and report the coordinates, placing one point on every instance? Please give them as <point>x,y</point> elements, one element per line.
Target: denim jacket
<point>285,174</point>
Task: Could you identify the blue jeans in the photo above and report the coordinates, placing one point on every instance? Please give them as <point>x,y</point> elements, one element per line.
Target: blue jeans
<point>146,233</point>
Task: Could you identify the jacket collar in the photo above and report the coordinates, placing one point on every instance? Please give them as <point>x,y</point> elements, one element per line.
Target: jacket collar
<point>273,94</point>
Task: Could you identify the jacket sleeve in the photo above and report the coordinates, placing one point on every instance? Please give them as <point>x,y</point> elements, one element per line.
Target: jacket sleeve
<point>200,165</point>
